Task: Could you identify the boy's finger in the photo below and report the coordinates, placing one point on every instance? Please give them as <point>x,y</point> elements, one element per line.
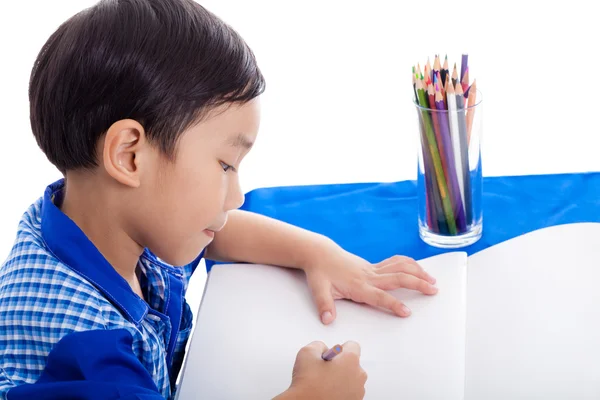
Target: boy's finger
<point>407,269</point>
<point>351,347</point>
<point>316,348</point>
<point>393,260</point>
<point>407,265</point>
<point>402,280</point>
<point>376,297</point>
<point>321,291</point>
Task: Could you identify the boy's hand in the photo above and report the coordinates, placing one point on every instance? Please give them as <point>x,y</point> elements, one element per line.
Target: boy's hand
<point>338,274</point>
<point>315,379</point>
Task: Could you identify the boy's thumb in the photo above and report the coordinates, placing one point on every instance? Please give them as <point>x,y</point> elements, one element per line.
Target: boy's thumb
<point>324,301</point>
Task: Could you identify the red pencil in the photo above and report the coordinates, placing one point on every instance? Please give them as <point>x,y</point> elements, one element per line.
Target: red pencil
<point>465,80</point>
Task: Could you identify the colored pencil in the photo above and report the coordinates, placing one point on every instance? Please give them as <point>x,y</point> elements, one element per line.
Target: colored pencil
<point>429,69</point>
<point>454,134</point>
<point>444,72</point>
<point>331,353</point>
<point>442,89</point>
<point>454,75</point>
<point>467,93</point>
<point>438,219</point>
<point>442,143</point>
<point>465,80</point>
<point>471,109</point>
<point>448,83</point>
<point>462,124</point>
<point>414,83</point>
<point>436,67</point>
<point>433,203</point>
<point>428,195</point>
<point>454,174</point>
<point>464,65</point>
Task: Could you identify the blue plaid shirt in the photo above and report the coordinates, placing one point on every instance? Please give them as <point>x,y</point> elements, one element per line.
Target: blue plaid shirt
<point>69,323</point>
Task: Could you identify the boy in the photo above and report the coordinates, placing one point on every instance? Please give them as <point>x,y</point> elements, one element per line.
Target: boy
<point>148,107</point>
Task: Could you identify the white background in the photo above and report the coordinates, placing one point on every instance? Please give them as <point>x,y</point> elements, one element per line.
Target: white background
<point>338,101</point>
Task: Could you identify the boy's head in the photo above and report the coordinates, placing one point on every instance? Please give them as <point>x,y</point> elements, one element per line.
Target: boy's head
<point>152,101</point>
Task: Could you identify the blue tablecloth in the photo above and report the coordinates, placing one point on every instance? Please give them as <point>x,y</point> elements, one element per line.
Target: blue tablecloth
<point>378,220</point>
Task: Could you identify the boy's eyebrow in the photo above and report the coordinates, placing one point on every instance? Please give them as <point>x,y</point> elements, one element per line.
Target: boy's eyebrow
<point>241,141</point>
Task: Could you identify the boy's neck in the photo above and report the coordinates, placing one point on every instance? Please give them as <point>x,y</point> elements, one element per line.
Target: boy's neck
<point>96,212</point>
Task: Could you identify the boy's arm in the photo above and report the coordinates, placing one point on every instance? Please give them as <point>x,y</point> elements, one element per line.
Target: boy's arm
<point>91,365</point>
<point>331,272</point>
<point>254,238</point>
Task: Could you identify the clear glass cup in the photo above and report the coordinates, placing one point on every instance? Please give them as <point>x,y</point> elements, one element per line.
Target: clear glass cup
<point>449,181</point>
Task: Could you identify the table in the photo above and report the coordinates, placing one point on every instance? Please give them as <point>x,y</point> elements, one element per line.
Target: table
<point>378,220</point>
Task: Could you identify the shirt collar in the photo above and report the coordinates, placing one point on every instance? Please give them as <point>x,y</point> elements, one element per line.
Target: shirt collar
<point>67,242</point>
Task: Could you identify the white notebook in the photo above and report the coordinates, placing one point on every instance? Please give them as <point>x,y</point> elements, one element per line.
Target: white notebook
<point>520,320</point>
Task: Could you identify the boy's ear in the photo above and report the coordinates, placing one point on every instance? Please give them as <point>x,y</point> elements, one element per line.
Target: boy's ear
<point>121,154</point>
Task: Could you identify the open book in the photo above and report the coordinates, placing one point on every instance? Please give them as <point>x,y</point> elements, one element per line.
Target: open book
<point>519,320</point>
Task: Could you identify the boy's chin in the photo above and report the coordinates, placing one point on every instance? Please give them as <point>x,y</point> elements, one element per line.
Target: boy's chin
<point>184,256</point>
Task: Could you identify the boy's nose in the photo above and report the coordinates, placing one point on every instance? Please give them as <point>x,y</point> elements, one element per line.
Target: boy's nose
<point>239,200</point>
<point>235,198</point>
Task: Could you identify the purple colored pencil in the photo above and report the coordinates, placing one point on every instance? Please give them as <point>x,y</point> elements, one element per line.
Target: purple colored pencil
<point>332,352</point>
<point>463,66</point>
<point>459,211</point>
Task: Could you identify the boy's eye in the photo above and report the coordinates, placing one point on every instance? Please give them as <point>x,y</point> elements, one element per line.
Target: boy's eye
<point>226,167</point>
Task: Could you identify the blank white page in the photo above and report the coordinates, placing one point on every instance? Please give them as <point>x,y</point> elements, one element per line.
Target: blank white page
<point>253,320</point>
<point>533,317</point>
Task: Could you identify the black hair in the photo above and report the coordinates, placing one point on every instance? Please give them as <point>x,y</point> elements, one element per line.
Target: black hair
<point>163,63</point>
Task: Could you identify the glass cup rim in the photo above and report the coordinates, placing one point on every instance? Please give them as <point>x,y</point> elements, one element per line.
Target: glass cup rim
<point>479,101</point>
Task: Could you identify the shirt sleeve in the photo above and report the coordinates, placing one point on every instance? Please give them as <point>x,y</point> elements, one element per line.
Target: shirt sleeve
<point>91,365</point>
